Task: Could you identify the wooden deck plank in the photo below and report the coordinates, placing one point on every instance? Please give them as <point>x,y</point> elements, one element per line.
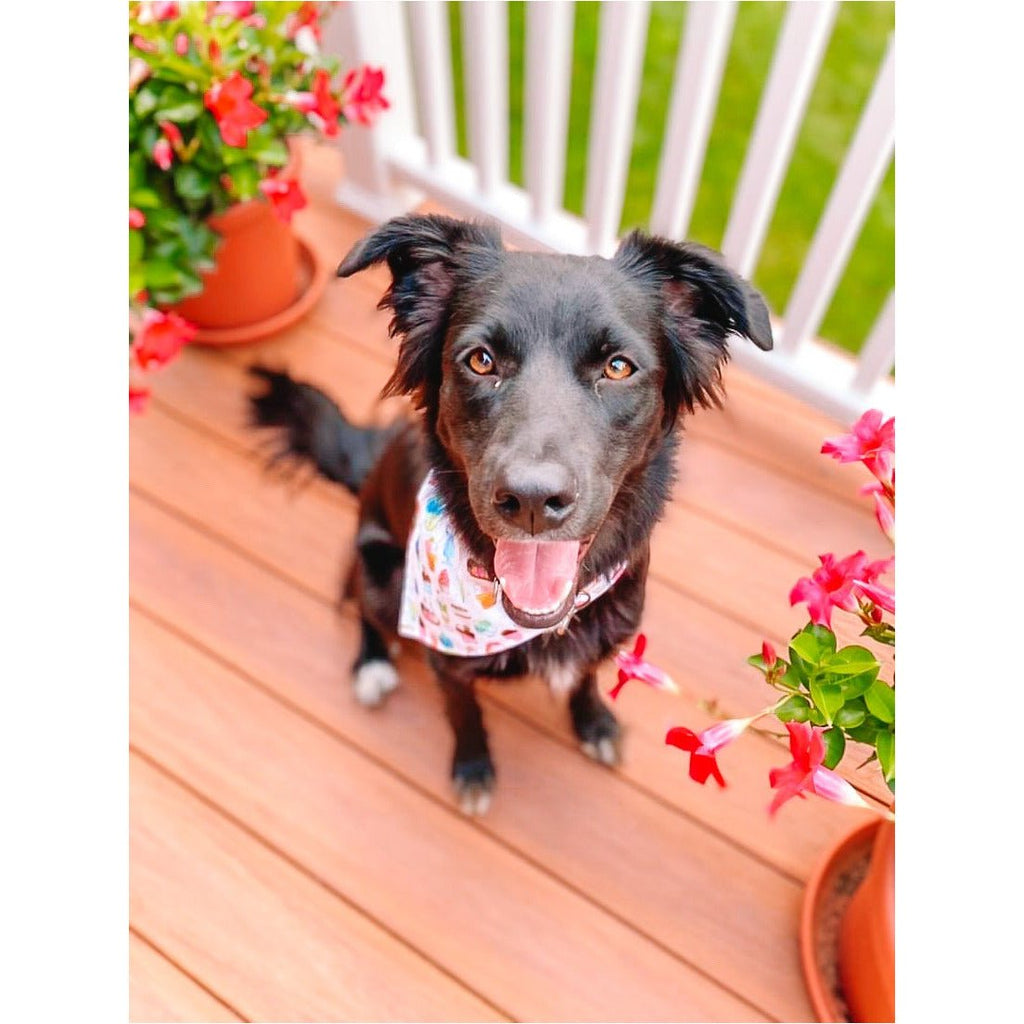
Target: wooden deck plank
<point>158,990</point>
<point>735,907</point>
<point>232,912</point>
<point>409,861</point>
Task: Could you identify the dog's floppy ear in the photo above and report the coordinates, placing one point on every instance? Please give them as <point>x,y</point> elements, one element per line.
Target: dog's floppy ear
<point>701,302</point>
<point>426,255</point>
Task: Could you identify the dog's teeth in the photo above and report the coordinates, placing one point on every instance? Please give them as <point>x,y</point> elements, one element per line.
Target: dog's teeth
<point>604,751</point>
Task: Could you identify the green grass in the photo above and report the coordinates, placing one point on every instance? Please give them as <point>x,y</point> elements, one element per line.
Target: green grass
<point>852,59</point>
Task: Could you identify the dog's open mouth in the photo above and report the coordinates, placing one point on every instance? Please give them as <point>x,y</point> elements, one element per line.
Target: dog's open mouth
<point>538,579</point>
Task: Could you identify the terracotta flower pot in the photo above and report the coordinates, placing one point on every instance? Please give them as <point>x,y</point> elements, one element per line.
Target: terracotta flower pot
<point>847,928</point>
<point>257,271</point>
<point>265,276</point>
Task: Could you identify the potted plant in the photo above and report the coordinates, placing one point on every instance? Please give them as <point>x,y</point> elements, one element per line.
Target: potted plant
<point>832,701</point>
<point>216,93</point>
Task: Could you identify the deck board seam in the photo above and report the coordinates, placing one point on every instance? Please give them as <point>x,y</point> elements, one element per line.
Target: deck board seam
<point>312,875</point>
<point>142,937</point>
<point>448,807</point>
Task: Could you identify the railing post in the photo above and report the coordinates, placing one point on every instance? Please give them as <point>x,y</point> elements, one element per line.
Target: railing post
<point>375,34</point>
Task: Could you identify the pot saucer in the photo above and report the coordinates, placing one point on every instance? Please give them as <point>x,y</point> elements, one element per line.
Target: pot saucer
<point>314,273</point>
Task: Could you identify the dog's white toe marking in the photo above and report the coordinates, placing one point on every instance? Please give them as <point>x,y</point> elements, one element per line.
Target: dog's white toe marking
<point>373,682</point>
<point>474,801</point>
<point>604,751</point>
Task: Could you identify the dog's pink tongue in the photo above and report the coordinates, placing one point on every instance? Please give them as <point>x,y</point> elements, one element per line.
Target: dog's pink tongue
<point>536,576</point>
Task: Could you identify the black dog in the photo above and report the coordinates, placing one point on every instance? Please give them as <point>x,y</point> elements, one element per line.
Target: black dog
<point>550,388</point>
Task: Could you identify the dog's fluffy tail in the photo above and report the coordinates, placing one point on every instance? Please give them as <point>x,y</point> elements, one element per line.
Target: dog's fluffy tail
<point>315,429</point>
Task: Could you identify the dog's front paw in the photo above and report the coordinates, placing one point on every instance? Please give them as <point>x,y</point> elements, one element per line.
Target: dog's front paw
<point>600,736</point>
<point>474,782</point>
<point>373,681</point>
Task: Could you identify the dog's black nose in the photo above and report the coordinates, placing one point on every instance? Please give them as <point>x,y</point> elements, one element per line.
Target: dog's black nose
<point>535,496</point>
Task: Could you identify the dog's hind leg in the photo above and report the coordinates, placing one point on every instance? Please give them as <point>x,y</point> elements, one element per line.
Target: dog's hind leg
<point>472,767</point>
<point>596,728</point>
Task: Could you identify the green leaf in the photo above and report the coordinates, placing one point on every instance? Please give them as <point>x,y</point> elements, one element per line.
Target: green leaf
<point>849,716</point>
<point>185,69</point>
<point>865,732</point>
<point>136,280</point>
<point>246,179</point>
<point>795,709</point>
<point>851,661</point>
<point>144,198</point>
<point>828,697</point>
<point>192,183</point>
<point>136,249</point>
<point>813,643</point>
<point>881,701</point>
<point>816,717</point>
<point>835,747</point>
<point>883,632</point>
<point>161,274</point>
<point>146,99</point>
<point>885,744</point>
<point>186,109</point>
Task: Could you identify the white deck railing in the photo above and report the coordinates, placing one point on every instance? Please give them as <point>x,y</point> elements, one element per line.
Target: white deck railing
<point>411,152</point>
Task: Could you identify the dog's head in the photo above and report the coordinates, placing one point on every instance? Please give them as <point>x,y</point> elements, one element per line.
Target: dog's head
<point>551,382</point>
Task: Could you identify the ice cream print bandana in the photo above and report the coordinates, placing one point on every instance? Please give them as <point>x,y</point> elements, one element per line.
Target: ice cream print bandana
<point>451,602</point>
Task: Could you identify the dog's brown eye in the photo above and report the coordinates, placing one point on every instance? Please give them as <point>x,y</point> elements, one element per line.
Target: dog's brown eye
<point>618,368</point>
<point>480,361</point>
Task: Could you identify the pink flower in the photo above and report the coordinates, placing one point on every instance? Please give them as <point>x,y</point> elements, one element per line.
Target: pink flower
<point>632,666</point>
<point>241,9</point>
<point>883,510</point>
<point>232,109</point>
<point>138,72</point>
<point>143,44</point>
<point>181,44</point>
<point>702,748</point>
<point>768,655</point>
<point>164,11</point>
<point>162,155</point>
<point>884,597</point>
<point>361,98</point>
<point>136,218</point>
<point>285,196</point>
<point>161,337</point>
<point>805,774</point>
<point>871,441</point>
<point>830,586</point>
<point>137,398</point>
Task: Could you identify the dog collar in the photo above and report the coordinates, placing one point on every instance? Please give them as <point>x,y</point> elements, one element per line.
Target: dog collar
<point>451,602</point>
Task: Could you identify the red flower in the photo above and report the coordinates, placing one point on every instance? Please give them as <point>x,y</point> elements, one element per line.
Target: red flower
<point>307,16</point>
<point>231,107</point>
<point>768,655</point>
<point>162,155</point>
<point>632,666</point>
<point>164,11</point>
<point>805,774</point>
<point>137,398</point>
<point>326,110</point>
<point>361,97</point>
<point>871,441</point>
<point>136,218</point>
<point>702,748</point>
<point>161,337</point>
<point>172,133</point>
<point>285,196</point>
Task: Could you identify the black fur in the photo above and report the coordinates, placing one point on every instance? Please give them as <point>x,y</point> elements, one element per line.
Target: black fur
<point>547,422</point>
